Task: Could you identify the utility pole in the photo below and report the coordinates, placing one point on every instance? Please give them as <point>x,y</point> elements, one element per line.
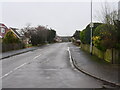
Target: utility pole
<point>91,25</point>
<point>119,10</point>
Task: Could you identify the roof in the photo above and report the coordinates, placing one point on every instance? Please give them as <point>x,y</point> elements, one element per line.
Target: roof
<point>16,32</point>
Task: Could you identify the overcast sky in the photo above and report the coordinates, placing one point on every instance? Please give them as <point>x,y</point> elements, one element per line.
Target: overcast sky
<point>64,17</point>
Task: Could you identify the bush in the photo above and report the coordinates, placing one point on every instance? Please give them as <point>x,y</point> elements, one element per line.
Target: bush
<point>10,38</point>
<point>107,36</point>
<point>9,47</point>
<point>85,35</point>
<point>82,36</point>
<point>11,42</point>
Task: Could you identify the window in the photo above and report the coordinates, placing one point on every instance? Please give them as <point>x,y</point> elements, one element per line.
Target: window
<point>2,30</point>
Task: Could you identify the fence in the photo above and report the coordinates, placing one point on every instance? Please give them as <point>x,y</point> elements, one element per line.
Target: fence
<point>110,55</point>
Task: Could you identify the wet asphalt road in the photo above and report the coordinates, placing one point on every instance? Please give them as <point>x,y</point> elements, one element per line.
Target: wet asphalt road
<point>46,67</point>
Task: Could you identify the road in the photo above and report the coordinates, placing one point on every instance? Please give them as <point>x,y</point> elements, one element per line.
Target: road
<point>46,67</point>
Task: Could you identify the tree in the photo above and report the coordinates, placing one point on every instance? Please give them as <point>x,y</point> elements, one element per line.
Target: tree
<point>51,35</point>
<point>108,32</point>
<point>82,36</point>
<point>85,34</point>
<point>107,14</point>
<point>40,34</point>
<point>107,37</point>
<point>76,35</point>
<point>117,25</point>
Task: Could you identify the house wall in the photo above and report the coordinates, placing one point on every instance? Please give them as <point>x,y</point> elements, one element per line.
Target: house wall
<point>3,27</point>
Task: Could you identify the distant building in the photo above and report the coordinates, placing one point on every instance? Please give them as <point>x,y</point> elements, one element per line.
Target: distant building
<point>57,39</point>
<point>65,38</point>
<point>119,10</point>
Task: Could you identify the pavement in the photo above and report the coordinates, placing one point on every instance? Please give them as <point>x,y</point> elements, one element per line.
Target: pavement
<point>45,67</point>
<point>15,52</point>
<point>93,66</point>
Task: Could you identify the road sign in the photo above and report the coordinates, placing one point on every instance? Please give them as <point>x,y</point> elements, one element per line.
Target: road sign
<point>91,24</point>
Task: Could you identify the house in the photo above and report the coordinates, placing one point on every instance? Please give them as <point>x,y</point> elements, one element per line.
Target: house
<point>3,30</point>
<point>57,39</point>
<point>20,35</point>
<point>16,32</point>
<point>65,38</point>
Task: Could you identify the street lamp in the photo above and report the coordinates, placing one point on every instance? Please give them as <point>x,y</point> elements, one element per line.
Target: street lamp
<point>91,26</point>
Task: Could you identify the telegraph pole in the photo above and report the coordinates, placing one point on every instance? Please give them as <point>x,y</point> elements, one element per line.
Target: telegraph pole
<point>91,25</point>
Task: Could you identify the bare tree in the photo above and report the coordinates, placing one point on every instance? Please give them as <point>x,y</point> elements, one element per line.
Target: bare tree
<point>107,14</point>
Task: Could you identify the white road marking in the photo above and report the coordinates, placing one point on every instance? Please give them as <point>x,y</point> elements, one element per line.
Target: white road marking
<point>37,56</point>
<point>17,68</point>
<point>13,70</point>
<point>70,57</point>
<point>6,74</point>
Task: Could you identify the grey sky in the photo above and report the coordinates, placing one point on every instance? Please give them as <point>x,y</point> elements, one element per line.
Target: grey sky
<point>64,17</point>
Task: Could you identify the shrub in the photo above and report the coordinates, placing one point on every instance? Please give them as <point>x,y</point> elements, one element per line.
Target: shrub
<point>10,38</point>
<point>107,36</point>
<point>85,35</point>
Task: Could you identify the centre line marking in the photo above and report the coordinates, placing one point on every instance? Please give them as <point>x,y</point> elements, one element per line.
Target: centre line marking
<point>12,71</point>
<point>17,68</point>
<point>37,56</point>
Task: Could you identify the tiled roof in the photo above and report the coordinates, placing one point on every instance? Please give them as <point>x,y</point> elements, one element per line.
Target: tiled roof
<point>15,31</point>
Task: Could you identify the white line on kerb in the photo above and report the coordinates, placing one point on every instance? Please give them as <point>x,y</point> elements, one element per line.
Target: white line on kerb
<point>70,57</point>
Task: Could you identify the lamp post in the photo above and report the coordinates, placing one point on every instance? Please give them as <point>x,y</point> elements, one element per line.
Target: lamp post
<point>119,10</point>
<point>91,25</point>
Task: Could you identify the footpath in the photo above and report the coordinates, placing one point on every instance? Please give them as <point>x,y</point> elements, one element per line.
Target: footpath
<point>93,66</point>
